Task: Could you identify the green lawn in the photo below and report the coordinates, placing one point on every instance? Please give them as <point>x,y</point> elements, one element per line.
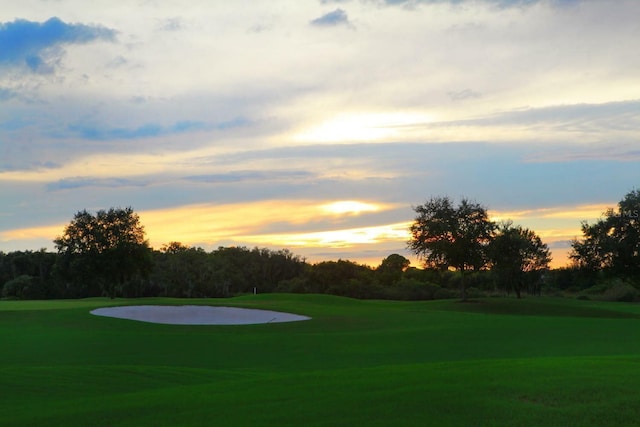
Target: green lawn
<point>493,362</point>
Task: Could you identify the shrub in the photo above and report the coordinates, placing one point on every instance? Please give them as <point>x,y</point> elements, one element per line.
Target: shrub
<point>22,287</point>
<point>621,291</point>
<point>611,289</point>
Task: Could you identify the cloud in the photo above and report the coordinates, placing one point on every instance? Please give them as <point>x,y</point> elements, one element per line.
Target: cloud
<point>172,24</point>
<point>625,113</point>
<point>462,95</point>
<point>22,165</point>
<point>499,3</point>
<point>37,45</point>
<point>80,182</point>
<point>241,176</point>
<point>150,130</point>
<point>622,117</point>
<point>332,19</point>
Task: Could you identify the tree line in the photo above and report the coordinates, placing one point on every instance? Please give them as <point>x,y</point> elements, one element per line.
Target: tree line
<point>463,253</point>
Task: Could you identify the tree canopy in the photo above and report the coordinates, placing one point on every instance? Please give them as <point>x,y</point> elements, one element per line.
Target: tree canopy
<point>107,250</point>
<point>445,236</point>
<point>517,254</point>
<point>613,242</point>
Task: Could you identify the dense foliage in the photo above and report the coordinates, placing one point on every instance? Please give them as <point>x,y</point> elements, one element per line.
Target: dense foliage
<point>106,254</point>
<point>612,244</point>
<point>463,238</point>
<point>518,258</point>
<point>106,251</point>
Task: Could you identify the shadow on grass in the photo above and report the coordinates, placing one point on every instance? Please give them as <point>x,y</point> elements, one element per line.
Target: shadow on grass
<point>540,307</point>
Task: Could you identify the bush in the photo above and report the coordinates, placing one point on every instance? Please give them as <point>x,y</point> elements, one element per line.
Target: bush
<point>22,287</point>
<point>613,289</point>
<point>621,291</point>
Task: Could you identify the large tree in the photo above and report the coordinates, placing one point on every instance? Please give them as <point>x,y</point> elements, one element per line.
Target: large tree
<point>518,257</point>
<point>104,252</point>
<point>446,236</point>
<point>613,242</point>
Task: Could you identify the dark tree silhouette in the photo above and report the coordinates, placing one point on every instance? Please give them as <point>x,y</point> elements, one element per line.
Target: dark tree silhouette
<point>518,256</point>
<point>613,242</point>
<point>107,251</point>
<point>445,236</point>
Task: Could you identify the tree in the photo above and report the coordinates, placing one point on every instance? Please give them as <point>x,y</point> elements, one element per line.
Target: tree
<point>613,242</point>
<point>181,271</point>
<point>445,236</point>
<point>518,254</point>
<point>391,268</point>
<point>107,250</point>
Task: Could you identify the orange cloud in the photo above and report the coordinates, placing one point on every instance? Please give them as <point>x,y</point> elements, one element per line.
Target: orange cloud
<point>245,222</point>
<point>337,238</point>
<point>49,232</point>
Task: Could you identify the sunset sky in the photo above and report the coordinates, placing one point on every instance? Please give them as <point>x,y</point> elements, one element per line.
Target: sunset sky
<point>315,125</point>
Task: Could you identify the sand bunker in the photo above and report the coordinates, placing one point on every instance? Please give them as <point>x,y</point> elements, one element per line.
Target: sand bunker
<point>197,315</point>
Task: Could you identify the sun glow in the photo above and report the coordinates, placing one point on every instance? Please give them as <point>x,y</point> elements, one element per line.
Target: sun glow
<point>349,207</point>
<point>363,127</point>
<point>344,238</point>
<point>250,222</point>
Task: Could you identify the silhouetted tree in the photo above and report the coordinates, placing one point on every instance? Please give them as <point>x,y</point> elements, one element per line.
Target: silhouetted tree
<point>613,242</point>
<point>182,271</point>
<point>106,251</point>
<point>517,256</point>
<point>445,236</point>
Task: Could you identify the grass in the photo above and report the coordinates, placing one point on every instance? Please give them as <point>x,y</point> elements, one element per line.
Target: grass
<point>494,362</point>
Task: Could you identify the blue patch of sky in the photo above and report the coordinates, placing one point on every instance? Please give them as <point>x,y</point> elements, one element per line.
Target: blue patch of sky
<point>24,42</point>
<point>6,94</point>
<point>331,19</point>
<point>17,166</point>
<point>15,123</point>
<point>75,183</point>
<point>150,130</point>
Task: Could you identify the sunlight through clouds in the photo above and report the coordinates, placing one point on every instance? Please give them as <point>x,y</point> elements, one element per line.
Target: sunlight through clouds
<point>345,238</point>
<point>249,223</point>
<point>363,127</point>
<point>349,207</point>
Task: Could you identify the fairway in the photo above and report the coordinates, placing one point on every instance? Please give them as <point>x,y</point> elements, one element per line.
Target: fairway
<point>493,362</point>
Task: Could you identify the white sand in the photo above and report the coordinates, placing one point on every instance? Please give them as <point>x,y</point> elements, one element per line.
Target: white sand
<point>197,315</point>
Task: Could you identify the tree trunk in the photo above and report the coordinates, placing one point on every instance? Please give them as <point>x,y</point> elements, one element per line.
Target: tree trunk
<point>463,288</point>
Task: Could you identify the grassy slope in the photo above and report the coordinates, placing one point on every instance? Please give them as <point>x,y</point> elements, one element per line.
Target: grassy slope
<point>494,362</point>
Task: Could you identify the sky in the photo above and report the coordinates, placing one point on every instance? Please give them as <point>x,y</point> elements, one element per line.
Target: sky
<point>315,126</point>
